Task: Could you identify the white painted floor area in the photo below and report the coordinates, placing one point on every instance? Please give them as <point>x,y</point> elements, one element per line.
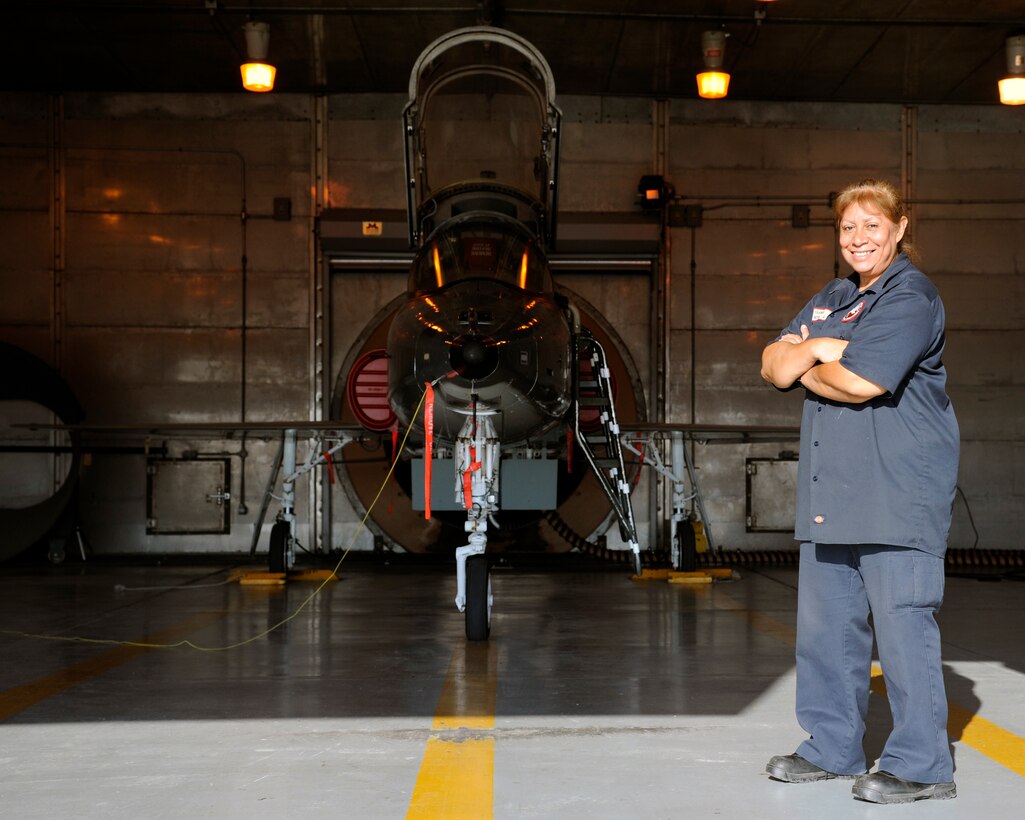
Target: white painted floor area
<point>611,698</point>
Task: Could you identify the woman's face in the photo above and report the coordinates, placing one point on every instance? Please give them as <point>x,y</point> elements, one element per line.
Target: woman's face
<point>868,240</point>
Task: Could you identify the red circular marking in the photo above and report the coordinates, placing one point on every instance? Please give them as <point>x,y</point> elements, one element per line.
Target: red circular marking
<point>367,391</point>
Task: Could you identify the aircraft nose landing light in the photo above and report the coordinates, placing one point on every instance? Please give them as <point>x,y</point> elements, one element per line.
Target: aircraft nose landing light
<point>473,357</point>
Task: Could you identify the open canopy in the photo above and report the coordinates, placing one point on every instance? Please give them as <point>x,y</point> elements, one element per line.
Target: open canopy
<point>480,116</point>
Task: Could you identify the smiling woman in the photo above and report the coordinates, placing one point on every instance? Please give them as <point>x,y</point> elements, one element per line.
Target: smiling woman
<point>875,488</point>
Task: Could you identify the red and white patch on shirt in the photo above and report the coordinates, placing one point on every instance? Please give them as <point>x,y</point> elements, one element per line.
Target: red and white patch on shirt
<point>852,314</point>
<point>820,314</point>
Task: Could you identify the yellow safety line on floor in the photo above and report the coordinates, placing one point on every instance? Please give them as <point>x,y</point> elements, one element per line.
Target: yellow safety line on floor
<point>1006,748</point>
<point>19,698</point>
<point>700,576</point>
<point>457,774</point>
<point>260,578</point>
<point>986,737</point>
<point>995,742</point>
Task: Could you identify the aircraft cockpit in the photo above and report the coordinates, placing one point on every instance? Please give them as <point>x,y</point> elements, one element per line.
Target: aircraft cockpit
<point>480,247</point>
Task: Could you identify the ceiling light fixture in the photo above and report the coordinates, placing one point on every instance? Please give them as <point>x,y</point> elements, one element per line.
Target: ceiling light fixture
<point>1012,87</point>
<point>712,84</point>
<point>257,74</point>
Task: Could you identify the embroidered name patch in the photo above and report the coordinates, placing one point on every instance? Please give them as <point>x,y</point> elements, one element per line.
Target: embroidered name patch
<point>820,314</point>
<point>854,311</point>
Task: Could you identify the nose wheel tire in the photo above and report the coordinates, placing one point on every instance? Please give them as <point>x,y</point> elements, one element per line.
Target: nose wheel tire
<point>280,534</point>
<point>687,544</point>
<point>478,598</point>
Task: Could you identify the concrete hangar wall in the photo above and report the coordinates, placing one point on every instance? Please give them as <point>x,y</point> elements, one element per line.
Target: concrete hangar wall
<point>128,267</point>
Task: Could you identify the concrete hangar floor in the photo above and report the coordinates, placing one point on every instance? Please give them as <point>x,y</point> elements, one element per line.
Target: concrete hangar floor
<point>596,696</point>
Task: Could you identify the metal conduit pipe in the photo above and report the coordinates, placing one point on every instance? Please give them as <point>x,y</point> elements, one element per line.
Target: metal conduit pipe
<point>967,558</point>
<point>249,9</point>
<point>756,201</point>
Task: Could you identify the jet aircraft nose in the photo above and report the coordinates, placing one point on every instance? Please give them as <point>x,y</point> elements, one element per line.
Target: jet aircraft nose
<point>473,357</point>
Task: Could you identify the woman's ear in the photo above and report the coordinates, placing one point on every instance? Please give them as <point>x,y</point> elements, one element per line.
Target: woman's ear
<point>901,227</point>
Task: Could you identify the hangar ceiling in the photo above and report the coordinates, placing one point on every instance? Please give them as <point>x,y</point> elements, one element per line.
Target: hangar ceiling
<point>909,51</point>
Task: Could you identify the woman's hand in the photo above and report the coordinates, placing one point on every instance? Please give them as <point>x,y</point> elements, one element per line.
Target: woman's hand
<point>823,348</point>
<point>827,349</point>
<point>787,359</point>
<point>793,338</point>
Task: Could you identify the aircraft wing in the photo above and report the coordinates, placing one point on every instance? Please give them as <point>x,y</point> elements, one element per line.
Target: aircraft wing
<point>202,429</point>
<point>717,433</point>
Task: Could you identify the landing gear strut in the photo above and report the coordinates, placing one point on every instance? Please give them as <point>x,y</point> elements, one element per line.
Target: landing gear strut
<point>477,457</point>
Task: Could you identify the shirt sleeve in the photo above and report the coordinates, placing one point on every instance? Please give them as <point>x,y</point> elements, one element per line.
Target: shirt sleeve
<point>802,318</point>
<point>892,338</point>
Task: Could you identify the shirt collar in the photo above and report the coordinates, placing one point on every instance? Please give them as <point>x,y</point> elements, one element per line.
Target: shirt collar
<point>900,264</point>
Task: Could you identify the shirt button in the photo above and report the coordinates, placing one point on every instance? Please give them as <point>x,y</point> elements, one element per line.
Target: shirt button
<point>815,444</point>
<point>814,478</point>
<point>818,409</point>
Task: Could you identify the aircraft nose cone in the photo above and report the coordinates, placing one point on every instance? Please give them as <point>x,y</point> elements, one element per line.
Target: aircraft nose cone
<point>473,357</point>
<point>474,352</point>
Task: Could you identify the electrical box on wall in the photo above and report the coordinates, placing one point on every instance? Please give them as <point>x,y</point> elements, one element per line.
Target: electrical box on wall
<point>771,493</point>
<point>188,496</point>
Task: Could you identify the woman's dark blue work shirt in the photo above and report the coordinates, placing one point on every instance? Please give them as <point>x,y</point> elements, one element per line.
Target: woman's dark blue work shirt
<point>885,471</point>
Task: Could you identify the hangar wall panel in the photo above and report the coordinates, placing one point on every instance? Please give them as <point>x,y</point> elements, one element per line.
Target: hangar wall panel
<point>754,270</point>
<point>746,166</point>
<point>156,254</point>
<point>605,149</point>
<point>364,150</point>
<point>971,232</point>
<point>25,234</point>
<point>162,276</point>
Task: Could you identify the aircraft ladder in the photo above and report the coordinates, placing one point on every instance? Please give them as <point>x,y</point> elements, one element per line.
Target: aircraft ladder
<point>602,448</point>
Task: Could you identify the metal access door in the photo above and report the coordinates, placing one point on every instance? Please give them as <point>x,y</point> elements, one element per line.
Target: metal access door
<point>771,494</point>
<point>188,496</point>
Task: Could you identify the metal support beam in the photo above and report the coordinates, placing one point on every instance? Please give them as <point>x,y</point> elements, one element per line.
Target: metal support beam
<point>661,325</point>
<point>909,162</point>
<point>320,320</point>
<point>58,213</point>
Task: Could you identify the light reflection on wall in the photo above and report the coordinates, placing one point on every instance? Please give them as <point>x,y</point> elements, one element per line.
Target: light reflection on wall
<point>200,287</point>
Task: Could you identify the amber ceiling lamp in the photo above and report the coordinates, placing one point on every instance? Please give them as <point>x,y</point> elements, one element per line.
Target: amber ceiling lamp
<point>1012,87</point>
<point>257,74</point>
<point>713,84</point>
